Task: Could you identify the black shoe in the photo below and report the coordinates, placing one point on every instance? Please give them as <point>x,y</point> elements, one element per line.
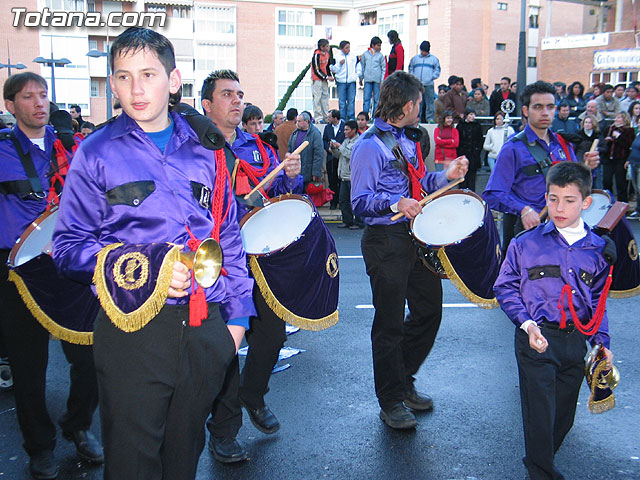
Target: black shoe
<point>87,447</point>
<point>418,401</point>
<point>355,227</point>
<point>344,225</point>
<point>398,417</point>
<point>43,466</point>
<point>262,418</point>
<point>227,450</point>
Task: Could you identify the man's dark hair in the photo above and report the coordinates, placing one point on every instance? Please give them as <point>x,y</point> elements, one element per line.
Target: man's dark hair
<point>425,46</point>
<point>16,82</point>
<point>507,79</point>
<point>621,85</point>
<point>608,86</point>
<point>292,113</point>
<point>366,115</point>
<point>563,104</point>
<point>322,42</point>
<point>565,173</point>
<point>476,83</point>
<point>335,114</point>
<point>396,90</point>
<point>251,113</point>
<point>88,125</point>
<point>77,107</point>
<point>209,84</point>
<point>375,41</point>
<point>344,43</point>
<point>537,87</point>
<point>453,79</point>
<point>351,124</point>
<point>134,39</point>
<point>393,37</point>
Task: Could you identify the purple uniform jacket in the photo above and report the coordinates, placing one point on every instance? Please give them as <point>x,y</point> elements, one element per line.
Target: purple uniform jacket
<point>245,147</point>
<point>17,213</point>
<point>509,189</point>
<point>91,217</point>
<point>528,287</point>
<point>375,183</point>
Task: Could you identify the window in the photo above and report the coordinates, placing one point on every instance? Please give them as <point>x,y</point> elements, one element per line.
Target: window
<point>111,6</point>
<point>212,20</point>
<point>181,12</point>
<point>295,23</point>
<point>93,44</point>
<point>156,8</point>
<point>68,5</point>
<point>215,57</point>
<point>95,88</point>
<point>91,6</point>
<point>532,62</point>
<point>291,61</point>
<point>501,46</point>
<point>533,21</point>
<point>187,90</point>
<point>390,21</point>
<point>423,15</point>
<point>502,5</point>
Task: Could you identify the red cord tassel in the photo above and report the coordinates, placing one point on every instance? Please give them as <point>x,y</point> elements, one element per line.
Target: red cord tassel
<point>242,185</point>
<point>198,308</point>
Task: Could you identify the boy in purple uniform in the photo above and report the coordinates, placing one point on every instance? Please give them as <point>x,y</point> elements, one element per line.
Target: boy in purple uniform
<point>550,343</point>
<point>145,178</point>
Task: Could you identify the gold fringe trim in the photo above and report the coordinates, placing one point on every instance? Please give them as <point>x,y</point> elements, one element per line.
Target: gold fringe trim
<point>460,285</point>
<point>134,321</point>
<point>605,404</point>
<point>313,324</point>
<point>632,292</point>
<point>58,331</point>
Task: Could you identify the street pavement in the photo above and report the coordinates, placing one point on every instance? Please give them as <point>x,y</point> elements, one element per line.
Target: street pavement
<point>327,407</point>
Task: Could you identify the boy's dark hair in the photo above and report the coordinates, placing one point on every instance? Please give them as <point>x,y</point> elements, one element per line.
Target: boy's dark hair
<point>88,125</point>
<point>134,39</point>
<point>392,35</point>
<point>16,82</point>
<point>537,87</point>
<point>565,173</point>
<point>322,42</point>
<point>351,124</point>
<point>425,46</point>
<point>209,84</point>
<point>343,44</point>
<point>507,79</point>
<point>251,113</point>
<point>335,114</point>
<point>621,85</point>
<point>443,87</point>
<point>366,115</point>
<point>476,83</point>
<point>563,104</point>
<point>77,107</point>
<point>375,41</point>
<point>396,90</point>
<point>292,113</point>
<point>608,86</point>
<point>453,79</point>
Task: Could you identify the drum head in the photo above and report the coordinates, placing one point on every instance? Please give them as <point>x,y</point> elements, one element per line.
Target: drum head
<point>275,226</point>
<point>448,219</point>
<point>599,207</point>
<point>35,240</point>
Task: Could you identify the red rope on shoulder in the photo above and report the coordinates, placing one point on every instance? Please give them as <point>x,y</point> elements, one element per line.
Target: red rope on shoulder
<point>416,174</point>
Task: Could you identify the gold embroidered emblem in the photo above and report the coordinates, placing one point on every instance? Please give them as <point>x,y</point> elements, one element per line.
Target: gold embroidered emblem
<point>133,263</point>
<point>332,265</point>
<point>633,250</point>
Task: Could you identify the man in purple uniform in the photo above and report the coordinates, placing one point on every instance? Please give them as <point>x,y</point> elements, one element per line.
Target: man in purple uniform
<point>25,153</point>
<point>382,184</point>
<point>223,103</point>
<point>145,178</point>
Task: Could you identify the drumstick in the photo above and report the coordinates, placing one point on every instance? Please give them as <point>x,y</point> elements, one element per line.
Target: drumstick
<point>431,196</point>
<point>543,213</point>
<point>233,174</point>
<point>275,171</point>
<point>594,145</point>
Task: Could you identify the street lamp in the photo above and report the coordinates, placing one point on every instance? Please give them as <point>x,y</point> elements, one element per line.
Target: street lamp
<point>9,66</point>
<point>53,62</point>
<point>97,54</point>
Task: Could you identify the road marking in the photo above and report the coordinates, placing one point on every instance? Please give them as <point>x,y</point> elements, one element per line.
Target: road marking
<point>444,305</point>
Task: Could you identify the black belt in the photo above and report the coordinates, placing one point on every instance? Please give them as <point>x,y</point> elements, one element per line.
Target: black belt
<point>570,327</point>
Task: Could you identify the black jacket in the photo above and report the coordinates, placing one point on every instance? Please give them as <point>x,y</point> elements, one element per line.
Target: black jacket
<point>471,142</point>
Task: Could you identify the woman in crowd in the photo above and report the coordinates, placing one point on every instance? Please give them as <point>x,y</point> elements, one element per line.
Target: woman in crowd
<point>447,140</point>
<point>575,99</point>
<point>496,136</point>
<point>479,103</point>
<point>634,115</point>
<point>470,145</point>
<point>619,138</point>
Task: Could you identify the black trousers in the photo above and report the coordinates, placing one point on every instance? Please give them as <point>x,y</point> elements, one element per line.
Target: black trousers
<point>511,226</point>
<point>27,346</point>
<point>399,345</point>
<point>265,339</point>
<point>334,180</point>
<point>549,387</point>
<point>617,170</point>
<point>156,390</point>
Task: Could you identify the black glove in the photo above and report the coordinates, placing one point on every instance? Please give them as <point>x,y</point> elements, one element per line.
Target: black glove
<point>209,135</point>
<point>609,251</point>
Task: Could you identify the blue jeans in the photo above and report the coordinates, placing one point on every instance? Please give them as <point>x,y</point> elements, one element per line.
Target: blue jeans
<point>492,162</point>
<point>347,100</point>
<point>371,94</point>
<point>426,109</point>
<point>635,180</point>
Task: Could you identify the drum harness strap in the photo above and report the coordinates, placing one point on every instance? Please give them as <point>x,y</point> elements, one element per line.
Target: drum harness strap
<point>198,309</point>
<point>401,162</point>
<point>539,154</point>
<point>246,172</point>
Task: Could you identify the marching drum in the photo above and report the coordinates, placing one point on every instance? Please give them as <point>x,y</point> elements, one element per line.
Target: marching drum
<point>626,270</point>
<point>67,309</point>
<point>458,228</point>
<point>294,262</point>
